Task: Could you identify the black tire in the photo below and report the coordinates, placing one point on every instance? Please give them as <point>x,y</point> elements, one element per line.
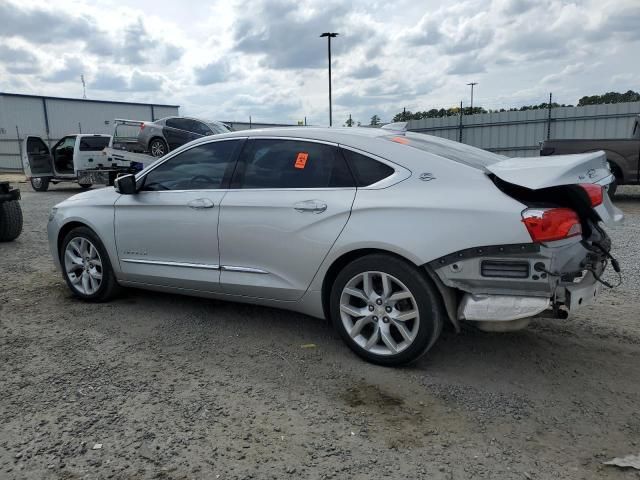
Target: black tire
<point>10,220</point>
<point>612,188</point>
<point>109,287</point>
<point>39,184</point>
<point>85,186</point>
<point>158,147</point>
<point>427,299</point>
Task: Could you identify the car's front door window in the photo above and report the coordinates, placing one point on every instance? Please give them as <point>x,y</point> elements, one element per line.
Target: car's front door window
<point>203,167</point>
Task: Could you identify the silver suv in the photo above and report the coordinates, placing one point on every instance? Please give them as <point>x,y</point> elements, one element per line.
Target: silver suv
<point>166,134</point>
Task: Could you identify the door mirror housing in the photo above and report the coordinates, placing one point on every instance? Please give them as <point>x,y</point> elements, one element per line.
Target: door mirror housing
<point>126,185</point>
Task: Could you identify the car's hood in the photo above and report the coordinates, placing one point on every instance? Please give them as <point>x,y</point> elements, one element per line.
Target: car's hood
<point>97,196</point>
<point>543,172</point>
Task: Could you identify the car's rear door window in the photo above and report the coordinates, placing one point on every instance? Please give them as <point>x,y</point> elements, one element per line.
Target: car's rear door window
<point>276,163</point>
<point>203,167</point>
<point>93,144</point>
<point>366,170</point>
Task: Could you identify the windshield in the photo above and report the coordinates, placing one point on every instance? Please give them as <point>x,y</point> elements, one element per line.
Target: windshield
<point>93,144</point>
<point>458,152</point>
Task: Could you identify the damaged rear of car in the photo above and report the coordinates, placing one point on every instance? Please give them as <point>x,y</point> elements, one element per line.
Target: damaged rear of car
<point>564,208</point>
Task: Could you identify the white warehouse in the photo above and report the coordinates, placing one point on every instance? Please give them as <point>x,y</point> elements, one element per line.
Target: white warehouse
<point>54,117</point>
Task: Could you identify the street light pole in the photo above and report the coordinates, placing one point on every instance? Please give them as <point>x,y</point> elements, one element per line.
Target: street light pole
<point>472,85</point>
<point>329,36</point>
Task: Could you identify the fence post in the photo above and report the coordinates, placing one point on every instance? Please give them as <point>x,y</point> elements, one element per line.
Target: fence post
<point>79,127</point>
<point>460,125</point>
<point>549,117</point>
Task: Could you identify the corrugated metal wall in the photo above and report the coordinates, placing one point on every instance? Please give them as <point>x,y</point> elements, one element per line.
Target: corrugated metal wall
<point>518,134</point>
<point>64,117</point>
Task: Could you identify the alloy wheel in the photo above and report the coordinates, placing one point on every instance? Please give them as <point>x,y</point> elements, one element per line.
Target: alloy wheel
<point>157,148</point>
<point>379,313</point>
<point>83,265</point>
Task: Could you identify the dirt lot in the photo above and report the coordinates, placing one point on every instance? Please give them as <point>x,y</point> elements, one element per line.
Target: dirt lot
<point>177,387</point>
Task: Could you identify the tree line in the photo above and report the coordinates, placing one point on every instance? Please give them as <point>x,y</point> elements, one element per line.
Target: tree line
<point>406,115</point>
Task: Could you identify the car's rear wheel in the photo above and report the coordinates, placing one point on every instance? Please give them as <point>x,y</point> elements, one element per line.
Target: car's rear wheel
<point>386,309</point>
<point>85,186</point>
<point>39,184</point>
<point>86,267</point>
<point>158,147</point>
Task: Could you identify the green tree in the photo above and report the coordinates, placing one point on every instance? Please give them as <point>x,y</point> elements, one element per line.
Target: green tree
<point>349,122</point>
<point>610,97</point>
<point>375,120</point>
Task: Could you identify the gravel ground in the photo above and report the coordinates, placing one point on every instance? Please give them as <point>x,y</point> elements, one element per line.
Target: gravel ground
<point>174,387</point>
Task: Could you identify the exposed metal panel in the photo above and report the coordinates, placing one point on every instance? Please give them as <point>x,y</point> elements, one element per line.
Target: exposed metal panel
<point>520,133</point>
<point>161,112</point>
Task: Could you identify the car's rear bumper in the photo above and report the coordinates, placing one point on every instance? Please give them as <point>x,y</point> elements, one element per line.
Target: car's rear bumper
<point>511,282</point>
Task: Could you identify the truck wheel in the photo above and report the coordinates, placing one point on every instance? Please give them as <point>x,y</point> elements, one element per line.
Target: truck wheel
<point>85,186</point>
<point>10,220</point>
<point>39,184</point>
<point>158,147</point>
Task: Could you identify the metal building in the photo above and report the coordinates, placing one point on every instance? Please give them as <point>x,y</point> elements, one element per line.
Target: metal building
<point>55,117</point>
<point>518,134</point>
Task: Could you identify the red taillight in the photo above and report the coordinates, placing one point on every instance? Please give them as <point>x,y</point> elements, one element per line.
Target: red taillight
<point>549,224</point>
<point>594,191</point>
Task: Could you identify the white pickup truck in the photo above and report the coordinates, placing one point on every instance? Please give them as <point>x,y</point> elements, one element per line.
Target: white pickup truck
<point>74,158</point>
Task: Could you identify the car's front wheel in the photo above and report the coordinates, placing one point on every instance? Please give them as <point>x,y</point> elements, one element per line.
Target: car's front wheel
<point>386,310</point>
<point>86,267</point>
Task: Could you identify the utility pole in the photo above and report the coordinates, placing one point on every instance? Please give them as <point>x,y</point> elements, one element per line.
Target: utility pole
<point>84,87</point>
<point>472,84</point>
<point>460,126</point>
<point>329,36</point>
<point>549,116</point>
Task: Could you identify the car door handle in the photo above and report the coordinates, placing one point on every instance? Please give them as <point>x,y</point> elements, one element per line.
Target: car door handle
<point>200,203</point>
<point>315,206</point>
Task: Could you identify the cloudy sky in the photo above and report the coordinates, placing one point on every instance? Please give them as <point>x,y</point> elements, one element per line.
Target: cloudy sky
<point>231,59</point>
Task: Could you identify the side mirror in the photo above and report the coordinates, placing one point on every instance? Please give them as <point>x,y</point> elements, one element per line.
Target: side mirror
<point>126,184</point>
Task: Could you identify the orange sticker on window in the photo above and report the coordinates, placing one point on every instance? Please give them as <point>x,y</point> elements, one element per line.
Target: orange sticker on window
<point>301,160</point>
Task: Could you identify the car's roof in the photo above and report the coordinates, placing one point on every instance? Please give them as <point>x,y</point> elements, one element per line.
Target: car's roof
<point>332,134</point>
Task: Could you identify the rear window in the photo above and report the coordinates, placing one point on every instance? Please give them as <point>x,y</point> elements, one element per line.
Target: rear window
<point>93,144</point>
<point>458,152</point>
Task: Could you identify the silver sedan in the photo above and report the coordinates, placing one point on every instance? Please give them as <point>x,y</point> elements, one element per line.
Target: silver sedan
<point>387,233</point>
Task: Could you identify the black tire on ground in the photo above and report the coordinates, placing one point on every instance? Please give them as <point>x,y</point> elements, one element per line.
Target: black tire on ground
<point>158,147</point>
<point>428,300</point>
<point>10,220</point>
<point>85,186</point>
<point>39,184</point>
<point>613,186</point>
<point>109,287</point>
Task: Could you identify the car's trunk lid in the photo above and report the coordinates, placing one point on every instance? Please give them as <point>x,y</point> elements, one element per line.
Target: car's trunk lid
<point>544,172</point>
<point>555,181</point>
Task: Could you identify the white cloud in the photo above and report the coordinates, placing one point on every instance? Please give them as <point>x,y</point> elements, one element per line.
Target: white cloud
<point>226,60</point>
